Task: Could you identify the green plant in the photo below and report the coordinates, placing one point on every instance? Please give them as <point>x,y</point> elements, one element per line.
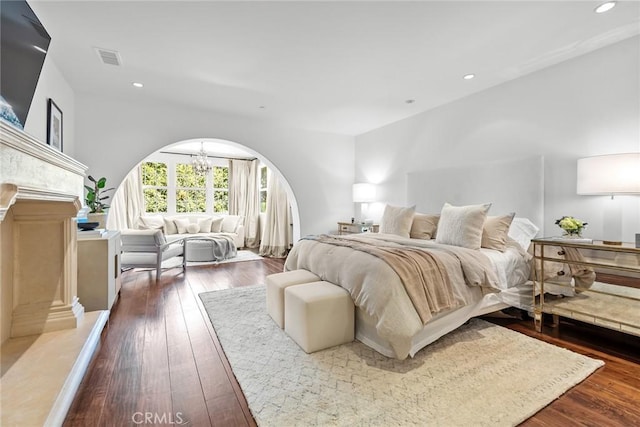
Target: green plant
<point>95,196</point>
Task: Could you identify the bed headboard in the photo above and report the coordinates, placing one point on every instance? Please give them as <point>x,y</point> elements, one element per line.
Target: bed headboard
<point>510,186</point>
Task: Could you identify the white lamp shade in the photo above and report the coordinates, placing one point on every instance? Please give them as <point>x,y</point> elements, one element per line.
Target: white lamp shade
<point>364,193</point>
<point>610,174</point>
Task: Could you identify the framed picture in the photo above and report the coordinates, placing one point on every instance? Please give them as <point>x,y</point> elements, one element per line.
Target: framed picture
<point>54,125</point>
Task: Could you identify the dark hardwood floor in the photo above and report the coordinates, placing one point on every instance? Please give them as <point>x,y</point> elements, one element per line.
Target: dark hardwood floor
<point>160,362</point>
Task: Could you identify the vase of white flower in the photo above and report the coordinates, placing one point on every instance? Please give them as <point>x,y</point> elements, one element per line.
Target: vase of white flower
<point>571,227</point>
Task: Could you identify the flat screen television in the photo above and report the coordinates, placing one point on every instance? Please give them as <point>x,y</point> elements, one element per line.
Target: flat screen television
<point>23,46</point>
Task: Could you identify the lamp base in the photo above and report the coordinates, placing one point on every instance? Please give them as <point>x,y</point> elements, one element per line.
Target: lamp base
<point>612,242</point>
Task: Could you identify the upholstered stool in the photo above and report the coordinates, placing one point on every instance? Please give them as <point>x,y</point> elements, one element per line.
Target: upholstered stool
<point>276,284</point>
<point>318,315</point>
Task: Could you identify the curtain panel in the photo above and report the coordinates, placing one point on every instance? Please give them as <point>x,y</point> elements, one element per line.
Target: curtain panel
<point>128,203</point>
<point>276,237</point>
<point>244,197</point>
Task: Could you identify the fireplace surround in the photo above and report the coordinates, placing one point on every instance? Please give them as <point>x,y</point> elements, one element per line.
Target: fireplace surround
<point>47,340</point>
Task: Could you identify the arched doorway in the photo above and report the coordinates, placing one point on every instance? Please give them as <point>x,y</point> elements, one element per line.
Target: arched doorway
<point>215,149</point>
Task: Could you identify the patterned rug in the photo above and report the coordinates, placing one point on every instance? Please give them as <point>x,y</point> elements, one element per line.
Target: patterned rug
<point>480,374</point>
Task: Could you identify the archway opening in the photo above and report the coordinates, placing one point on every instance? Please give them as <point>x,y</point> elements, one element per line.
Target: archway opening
<point>218,152</point>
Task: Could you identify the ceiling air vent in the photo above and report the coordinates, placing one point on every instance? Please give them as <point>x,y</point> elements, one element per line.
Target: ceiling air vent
<point>109,57</point>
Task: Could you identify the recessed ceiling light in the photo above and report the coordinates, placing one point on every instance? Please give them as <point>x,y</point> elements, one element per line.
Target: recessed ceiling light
<point>410,101</point>
<point>39,49</point>
<point>468,76</point>
<point>136,84</point>
<point>605,7</point>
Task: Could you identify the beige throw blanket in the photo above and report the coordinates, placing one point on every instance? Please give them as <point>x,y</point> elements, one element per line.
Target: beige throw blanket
<point>424,277</point>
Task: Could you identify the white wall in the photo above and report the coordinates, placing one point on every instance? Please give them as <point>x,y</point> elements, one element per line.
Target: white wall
<point>112,137</point>
<point>583,107</point>
<point>52,84</point>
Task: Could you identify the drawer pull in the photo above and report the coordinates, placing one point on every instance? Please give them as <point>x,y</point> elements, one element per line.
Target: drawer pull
<point>561,252</point>
<point>561,273</point>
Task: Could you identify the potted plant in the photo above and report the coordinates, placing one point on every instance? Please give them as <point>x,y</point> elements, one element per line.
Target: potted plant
<point>96,200</point>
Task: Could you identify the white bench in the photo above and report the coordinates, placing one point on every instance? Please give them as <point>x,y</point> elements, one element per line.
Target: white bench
<point>318,315</point>
<point>277,283</point>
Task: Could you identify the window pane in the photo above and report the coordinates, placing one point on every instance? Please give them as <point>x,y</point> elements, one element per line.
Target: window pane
<point>221,177</point>
<point>186,177</point>
<point>154,173</point>
<point>263,201</point>
<point>263,177</point>
<point>155,200</point>
<point>191,201</point>
<point>221,201</point>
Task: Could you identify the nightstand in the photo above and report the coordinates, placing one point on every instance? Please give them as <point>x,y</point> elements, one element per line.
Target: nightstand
<point>612,301</point>
<point>351,228</point>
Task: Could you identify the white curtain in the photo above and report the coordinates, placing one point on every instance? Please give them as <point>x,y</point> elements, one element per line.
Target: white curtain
<point>276,236</point>
<point>127,203</point>
<point>244,197</point>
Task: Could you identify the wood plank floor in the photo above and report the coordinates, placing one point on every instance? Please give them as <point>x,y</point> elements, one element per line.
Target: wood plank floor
<point>160,362</point>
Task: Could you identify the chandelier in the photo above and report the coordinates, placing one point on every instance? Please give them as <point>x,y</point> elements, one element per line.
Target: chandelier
<point>200,163</point>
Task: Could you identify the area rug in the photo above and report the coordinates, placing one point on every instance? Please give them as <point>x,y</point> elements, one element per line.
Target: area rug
<point>480,374</point>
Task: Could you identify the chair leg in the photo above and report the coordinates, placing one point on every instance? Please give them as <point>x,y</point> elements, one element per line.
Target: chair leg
<point>159,266</point>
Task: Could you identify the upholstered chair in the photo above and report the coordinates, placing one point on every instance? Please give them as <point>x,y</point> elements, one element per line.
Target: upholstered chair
<point>148,249</point>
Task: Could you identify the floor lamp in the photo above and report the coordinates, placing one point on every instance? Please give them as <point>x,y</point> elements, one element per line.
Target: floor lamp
<point>610,175</point>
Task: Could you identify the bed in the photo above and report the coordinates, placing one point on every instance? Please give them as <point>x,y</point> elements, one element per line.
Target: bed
<point>387,318</point>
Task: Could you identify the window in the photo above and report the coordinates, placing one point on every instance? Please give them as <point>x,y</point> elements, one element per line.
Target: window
<point>154,184</point>
<point>220,189</point>
<point>263,189</point>
<point>191,190</point>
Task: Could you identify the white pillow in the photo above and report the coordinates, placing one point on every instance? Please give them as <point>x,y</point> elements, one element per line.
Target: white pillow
<point>462,225</point>
<point>397,220</point>
<point>170,226</point>
<point>181,224</point>
<point>230,223</point>
<point>522,231</point>
<point>216,224</point>
<point>193,228</point>
<point>204,225</point>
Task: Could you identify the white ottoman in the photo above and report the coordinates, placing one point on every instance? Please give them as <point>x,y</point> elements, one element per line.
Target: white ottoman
<point>276,284</point>
<point>318,315</point>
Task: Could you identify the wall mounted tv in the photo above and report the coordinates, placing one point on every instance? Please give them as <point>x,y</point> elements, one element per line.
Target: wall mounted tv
<point>23,46</point>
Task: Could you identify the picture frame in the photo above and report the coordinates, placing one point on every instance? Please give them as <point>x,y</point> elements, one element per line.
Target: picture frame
<point>54,125</point>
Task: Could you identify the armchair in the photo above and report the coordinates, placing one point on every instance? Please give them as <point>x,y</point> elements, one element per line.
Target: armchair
<point>148,249</point>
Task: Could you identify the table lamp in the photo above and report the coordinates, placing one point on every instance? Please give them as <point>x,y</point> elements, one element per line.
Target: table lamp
<point>610,175</point>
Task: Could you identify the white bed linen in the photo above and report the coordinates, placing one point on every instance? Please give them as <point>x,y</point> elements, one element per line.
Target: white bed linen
<point>381,297</point>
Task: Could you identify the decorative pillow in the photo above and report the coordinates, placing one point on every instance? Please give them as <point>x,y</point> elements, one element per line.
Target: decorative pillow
<point>424,226</point>
<point>397,220</point>
<point>193,228</point>
<point>216,224</point>
<point>170,226</point>
<point>204,225</point>
<point>150,222</point>
<point>462,225</point>
<point>494,233</point>
<point>230,223</point>
<point>522,231</point>
<point>182,224</point>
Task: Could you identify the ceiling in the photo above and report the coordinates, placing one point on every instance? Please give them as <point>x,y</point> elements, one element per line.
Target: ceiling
<point>340,67</point>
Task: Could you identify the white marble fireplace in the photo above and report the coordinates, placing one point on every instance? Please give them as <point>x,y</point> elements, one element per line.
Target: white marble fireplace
<point>47,340</point>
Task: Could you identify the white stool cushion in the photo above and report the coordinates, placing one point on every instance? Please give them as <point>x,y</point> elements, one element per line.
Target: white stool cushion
<point>318,315</point>
<point>276,284</point>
